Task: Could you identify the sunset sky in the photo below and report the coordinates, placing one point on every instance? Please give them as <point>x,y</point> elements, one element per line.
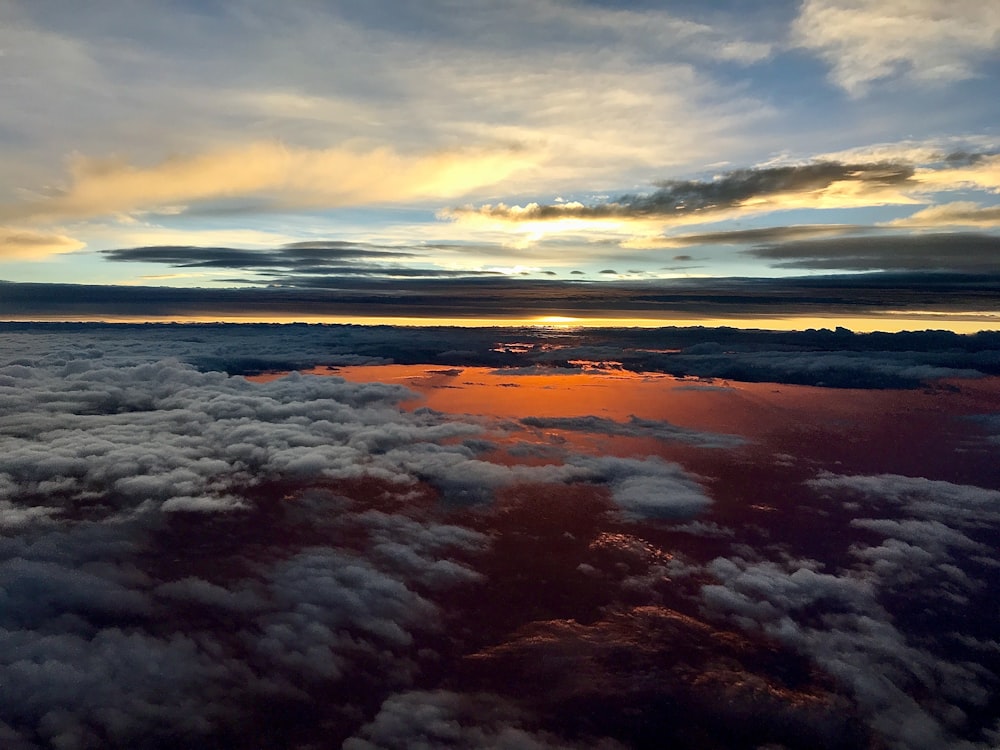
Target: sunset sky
<point>535,148</point>
<point>492,374</point>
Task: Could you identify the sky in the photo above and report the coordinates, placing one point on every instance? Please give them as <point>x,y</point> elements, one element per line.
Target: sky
<point>571,509</point>
<point>537,148</point>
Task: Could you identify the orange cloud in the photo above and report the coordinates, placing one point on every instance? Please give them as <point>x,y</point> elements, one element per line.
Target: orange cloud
<point>981,174</point>
<point>26,244</point>
<point>958,213</point>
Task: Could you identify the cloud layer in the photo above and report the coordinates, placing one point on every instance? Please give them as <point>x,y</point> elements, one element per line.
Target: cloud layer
<point>189,556</point>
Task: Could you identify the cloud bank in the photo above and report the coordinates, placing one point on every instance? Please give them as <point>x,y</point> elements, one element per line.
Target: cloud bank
<point>188,556</point>
<point>184,548</point>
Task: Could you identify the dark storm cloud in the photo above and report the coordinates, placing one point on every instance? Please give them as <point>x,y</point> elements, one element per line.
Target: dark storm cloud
<point>678,197</point>
<point>966,252</point>
<point>965,158</point>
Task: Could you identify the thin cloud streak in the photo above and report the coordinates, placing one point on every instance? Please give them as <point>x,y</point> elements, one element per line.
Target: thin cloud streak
<point>957,213</point>
<point>966,252</point>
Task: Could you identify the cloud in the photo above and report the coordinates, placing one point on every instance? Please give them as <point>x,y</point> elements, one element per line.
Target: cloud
<point>966,252</point>
<point>957,505</point>
<point>341,83</point>
<point>646,488</point>
<point>27,244</point>
<point>867,41</point>
<point>957,213</point>
<point>300,264</point>
<point>751,236</point>
<point>191,557</point>
<point>693,675</point>
<point>281,175</point>
<point>982,173</point>
<point>827,369</point>
<point>329,605</point>
<point>990,424</point>
<point>310,254</point>
<point>855,640</point>
<point>88,439</point>
<point>648,29</point>
<point>635,427</point>
<point>897,175</point>
<point>817,357</point>
<point>642,488</point>
<point>182,548</point>
<point>935,537</point>
<point>114,593</point>
<point>424,720</point>
<point>818,185</point>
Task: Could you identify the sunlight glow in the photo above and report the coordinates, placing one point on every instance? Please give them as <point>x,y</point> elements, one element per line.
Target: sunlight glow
<point>962,323</point>
<point>548,320</point>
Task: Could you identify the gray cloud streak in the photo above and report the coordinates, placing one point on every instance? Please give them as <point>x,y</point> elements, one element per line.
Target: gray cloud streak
<point>680,197</point>
<point>959,251</point>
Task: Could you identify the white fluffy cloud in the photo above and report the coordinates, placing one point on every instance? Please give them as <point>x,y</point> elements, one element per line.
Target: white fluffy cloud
<point>181,546</point>
<point>191,557</point>
<point>928,40</point>
<point>853,621</point>
<point>424,720</point>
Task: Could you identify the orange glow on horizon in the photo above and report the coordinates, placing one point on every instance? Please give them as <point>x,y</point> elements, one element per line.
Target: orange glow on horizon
<point>889,322</point>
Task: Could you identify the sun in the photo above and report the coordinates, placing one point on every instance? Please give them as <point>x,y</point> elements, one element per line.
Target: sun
<point>555,320</point>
